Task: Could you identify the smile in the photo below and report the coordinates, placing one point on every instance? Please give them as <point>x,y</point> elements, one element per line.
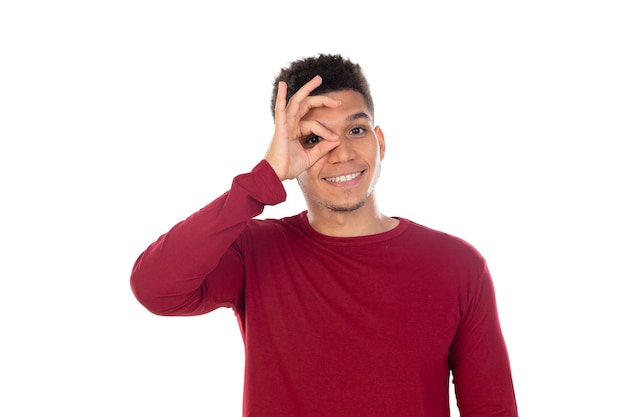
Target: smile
<point>344,178</point>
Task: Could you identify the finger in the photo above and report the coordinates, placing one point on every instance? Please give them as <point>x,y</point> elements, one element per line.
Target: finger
<point>281,100</point>
<point>321,149</point>
<point>318,101</point>
<point>299,96</point>
<point>303,96</point>
<point>308,88</point>
<point>313,127</point>
<point>298,109</point>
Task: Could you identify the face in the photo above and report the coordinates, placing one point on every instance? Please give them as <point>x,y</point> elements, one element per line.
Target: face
<point>344,179</point>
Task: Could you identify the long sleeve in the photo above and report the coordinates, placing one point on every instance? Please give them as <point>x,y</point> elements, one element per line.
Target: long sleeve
<point>479,358</point>
<point>195,268</point>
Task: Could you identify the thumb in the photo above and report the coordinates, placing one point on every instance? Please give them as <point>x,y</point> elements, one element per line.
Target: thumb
<point>322,149</point>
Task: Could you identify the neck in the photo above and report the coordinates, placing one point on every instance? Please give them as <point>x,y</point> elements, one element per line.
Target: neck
<point>366,220</point>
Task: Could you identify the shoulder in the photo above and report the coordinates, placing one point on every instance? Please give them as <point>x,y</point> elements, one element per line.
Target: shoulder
<point>440,244</point>
<point>271,228</point>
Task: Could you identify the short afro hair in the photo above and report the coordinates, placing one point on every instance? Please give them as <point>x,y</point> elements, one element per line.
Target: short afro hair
<point>338,74</point>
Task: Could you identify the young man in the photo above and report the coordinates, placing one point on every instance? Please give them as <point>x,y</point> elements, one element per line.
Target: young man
<point>343,311</point>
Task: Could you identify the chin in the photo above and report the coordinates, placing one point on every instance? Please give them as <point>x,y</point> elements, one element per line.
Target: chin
<point>346,208</point>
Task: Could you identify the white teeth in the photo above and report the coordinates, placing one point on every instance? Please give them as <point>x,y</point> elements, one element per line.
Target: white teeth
<point>344,178</point>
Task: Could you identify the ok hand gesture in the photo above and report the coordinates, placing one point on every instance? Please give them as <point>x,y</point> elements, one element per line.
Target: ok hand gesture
<point>287,153</point>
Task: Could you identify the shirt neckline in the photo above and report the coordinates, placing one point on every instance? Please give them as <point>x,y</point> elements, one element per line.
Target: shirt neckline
<point>354,240</point>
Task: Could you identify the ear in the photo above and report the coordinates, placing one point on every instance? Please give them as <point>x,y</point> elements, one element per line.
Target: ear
<point>381,141</point>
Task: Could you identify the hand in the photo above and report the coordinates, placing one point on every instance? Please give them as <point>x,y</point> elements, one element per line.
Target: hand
<point>286,153</point>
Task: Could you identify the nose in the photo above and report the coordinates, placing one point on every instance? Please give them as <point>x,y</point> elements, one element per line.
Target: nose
<point>344,152</point>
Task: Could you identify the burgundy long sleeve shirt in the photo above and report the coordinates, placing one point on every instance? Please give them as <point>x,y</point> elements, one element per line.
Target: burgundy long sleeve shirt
<point>369,326</point>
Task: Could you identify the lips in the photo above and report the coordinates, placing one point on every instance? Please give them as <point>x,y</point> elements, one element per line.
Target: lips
<point>344,178</point>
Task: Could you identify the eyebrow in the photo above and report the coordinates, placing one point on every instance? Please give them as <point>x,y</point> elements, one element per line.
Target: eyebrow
<point>358,115</point>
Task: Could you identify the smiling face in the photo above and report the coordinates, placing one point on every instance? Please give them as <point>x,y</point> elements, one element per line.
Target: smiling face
<point>343,180</point>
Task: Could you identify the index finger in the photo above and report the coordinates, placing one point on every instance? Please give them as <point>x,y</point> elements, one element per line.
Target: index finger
<point>308,88</point>
<point>302,101</point>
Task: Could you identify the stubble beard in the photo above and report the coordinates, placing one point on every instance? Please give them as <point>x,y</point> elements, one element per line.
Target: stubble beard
<point>347,208</point>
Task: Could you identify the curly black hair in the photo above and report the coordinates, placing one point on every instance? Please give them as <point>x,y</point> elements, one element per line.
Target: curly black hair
<point>338,74</point>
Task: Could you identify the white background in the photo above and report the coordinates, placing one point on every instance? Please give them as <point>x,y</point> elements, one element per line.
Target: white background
<point>504,122</point>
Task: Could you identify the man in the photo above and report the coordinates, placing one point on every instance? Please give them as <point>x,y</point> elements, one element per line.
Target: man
<point>343,311</point>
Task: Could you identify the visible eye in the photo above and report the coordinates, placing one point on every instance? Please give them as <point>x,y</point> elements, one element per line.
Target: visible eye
<point>357,130</point>
<point>312,141</point>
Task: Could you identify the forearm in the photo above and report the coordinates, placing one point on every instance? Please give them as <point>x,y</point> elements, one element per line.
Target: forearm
<point>479,358</point>
<point>172,270</point>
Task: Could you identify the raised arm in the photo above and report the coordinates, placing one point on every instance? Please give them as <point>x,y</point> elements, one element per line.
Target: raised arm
<point>195,268</point>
